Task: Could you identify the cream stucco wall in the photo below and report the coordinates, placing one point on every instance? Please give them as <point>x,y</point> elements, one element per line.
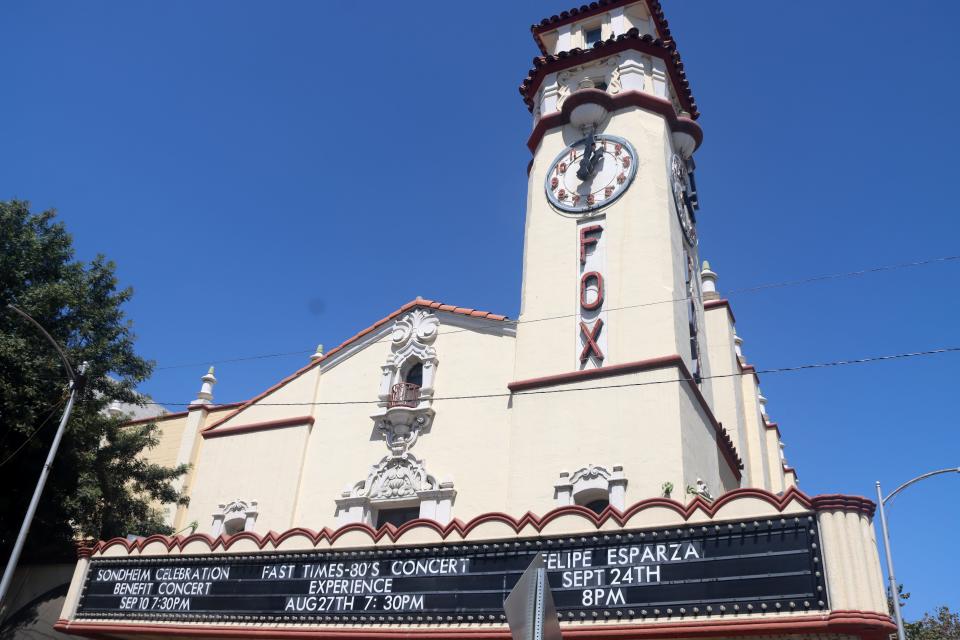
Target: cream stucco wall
<point>169,433</point>
<point>727,396</point>
<point>296,473</point>
<point>755,434</point>
<point>644,261</point>
<point>658,432</point>
<point>261,465</point>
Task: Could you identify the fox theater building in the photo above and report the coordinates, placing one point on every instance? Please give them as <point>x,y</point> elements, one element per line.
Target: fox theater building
<point>616,429</point>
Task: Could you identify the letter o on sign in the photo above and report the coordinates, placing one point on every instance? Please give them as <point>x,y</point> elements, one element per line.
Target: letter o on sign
<point>584,283</point>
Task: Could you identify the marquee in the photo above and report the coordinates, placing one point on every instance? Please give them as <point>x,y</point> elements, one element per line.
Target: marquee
<point>730,568</point>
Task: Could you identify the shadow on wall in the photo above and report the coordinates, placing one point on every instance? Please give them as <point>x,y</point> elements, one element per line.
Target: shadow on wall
<point>35,619</point>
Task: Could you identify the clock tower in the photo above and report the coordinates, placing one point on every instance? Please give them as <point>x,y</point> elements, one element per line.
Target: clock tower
<point>611,278</point>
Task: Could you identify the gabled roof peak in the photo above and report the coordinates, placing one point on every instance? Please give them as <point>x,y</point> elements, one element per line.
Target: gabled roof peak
<point>418,302</point>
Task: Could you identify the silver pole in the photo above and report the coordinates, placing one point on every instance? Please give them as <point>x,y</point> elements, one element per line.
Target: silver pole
<point>881,501</point>
<point>32,509</point>
<point>45,471</point>
<point>890,576</point>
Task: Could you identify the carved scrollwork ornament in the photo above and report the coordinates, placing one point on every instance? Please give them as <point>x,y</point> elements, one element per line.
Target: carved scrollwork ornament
<point>419,325</point>
<point>395,477</point>
<point>401,436</point>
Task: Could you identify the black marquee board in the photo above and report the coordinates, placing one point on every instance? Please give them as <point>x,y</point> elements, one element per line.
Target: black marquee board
<point>739,567</point>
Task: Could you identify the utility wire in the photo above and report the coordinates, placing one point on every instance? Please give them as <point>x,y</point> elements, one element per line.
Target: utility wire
<point>35,431</point>
<point>752,289</point>
<point>801,367</point>
<point>240,359</point>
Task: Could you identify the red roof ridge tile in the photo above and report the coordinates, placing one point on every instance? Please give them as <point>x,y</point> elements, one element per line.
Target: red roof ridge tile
<point>418,302</point>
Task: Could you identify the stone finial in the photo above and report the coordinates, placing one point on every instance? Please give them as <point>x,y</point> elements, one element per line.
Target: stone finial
<point>115,409</point>
<point>763,403</point>
<point>708,279</point>
<point>316,355</point>
<point>738,345</point>
<point>205,395</point>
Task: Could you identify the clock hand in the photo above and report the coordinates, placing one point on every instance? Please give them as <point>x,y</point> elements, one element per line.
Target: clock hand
<point>588,163</point>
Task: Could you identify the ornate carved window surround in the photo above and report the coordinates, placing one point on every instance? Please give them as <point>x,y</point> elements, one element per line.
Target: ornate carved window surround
<point>235,516</point>
<point>590,483</point>
<point>398,480</point>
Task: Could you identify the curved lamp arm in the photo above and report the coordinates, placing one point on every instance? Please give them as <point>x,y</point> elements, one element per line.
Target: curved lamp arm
<point>918,479</point>
<point>63,356</point>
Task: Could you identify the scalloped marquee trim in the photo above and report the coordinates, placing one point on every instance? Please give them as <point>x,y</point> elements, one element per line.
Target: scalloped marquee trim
<point>391,534</point>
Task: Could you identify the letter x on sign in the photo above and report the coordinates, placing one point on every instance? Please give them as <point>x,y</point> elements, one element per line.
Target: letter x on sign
<point>590,337</point>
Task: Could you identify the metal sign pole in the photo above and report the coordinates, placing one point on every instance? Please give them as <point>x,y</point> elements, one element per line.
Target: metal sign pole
<point>894,592</point>
<point>32,509</point>
<point>530,611</point>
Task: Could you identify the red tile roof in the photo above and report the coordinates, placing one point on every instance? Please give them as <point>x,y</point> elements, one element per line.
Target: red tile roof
<point>419,302</point>
<point>664,47</point>
<point>587,10</point>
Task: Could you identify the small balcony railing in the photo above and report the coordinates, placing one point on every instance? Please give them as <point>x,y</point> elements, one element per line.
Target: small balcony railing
<point>404,394</point>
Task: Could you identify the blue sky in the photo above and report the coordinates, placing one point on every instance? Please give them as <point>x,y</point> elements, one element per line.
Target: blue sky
<point>271,176</point>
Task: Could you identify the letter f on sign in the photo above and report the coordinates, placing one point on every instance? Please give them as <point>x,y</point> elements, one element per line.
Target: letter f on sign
<point>586,240</point>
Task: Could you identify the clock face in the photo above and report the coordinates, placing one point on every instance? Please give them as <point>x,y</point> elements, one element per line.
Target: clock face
<point>678,179</point>
<point>591,173</point>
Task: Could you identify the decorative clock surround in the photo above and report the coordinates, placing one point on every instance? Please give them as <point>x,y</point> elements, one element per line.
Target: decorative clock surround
<point>591,173</point>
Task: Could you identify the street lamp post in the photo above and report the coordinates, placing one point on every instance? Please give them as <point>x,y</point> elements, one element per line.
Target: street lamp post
<point>881,501</point>
<point>45,471</point>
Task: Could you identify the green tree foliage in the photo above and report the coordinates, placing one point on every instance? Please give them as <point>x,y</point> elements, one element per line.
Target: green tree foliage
<point>98,487</point>
<point>943,625</point>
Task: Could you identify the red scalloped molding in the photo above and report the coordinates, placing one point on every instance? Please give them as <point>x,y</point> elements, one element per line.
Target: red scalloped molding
<point>831,502</point>
<point>282,423</point>
<point>613,103</point>
<point>841,502</point>
<point>866,625</point>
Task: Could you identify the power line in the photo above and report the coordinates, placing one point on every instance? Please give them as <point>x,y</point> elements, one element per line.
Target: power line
<point>240,359</point>
<point>35,431</point>
<point>752,289</point>
<point>801,367</point>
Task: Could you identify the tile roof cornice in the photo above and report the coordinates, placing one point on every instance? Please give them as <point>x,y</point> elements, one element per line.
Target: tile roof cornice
<point>664,49</point>
<point>592,9</point>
